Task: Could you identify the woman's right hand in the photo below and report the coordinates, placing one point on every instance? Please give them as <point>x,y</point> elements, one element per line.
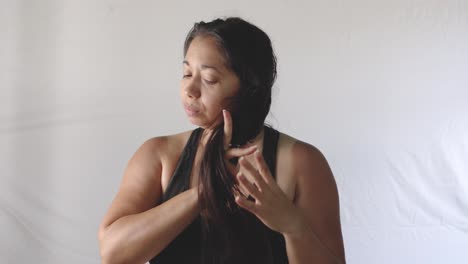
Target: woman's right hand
<point>233,152</point>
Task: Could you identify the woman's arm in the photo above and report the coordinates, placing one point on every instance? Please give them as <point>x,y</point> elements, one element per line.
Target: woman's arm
<point>133,230</point>
<point>310,223</point>
<point>317,237</point>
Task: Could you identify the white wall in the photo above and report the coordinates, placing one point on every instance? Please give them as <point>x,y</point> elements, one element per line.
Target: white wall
<point>381,87</point>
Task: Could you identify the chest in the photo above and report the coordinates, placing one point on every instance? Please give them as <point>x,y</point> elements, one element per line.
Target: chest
<point>284,171</point>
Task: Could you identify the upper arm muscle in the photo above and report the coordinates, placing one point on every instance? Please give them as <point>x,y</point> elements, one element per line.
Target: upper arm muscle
<point>140,188</point>
<point>317,196</point>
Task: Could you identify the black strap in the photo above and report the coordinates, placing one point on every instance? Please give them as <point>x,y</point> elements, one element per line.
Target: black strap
<point>180,180</point>
<point>270,146</point>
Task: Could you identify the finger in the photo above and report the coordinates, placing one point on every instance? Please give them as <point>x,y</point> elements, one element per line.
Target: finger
<point>232,168</point>
<point>249,170</point>
<point>263,167</point>
<point>227,128</point>
<point>246,204</point>
<point>251,188</point>
<point>231,157</point>
<point>239,152</point>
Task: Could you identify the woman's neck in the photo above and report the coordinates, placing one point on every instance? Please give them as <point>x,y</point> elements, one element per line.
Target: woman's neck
<point>257,140</point>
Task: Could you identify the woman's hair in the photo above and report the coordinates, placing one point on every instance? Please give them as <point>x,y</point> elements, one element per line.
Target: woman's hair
<point>248,52</point>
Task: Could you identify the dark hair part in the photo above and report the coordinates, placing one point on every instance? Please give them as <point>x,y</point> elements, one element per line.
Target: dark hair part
<point>247,51</point>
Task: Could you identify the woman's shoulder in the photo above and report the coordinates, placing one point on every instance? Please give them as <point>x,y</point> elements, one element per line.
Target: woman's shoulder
<point>309,176</point>
<point>166,146</point>
<point>297,146</point>
<point>301,154</point>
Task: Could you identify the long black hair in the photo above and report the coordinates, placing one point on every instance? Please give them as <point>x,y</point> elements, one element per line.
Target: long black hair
<point>249,54</point>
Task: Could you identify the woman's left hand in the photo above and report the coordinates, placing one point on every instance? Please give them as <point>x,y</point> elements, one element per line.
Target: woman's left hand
<point>271,204</point>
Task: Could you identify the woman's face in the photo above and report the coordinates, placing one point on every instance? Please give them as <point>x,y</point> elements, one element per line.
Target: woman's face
<point>208,85</point>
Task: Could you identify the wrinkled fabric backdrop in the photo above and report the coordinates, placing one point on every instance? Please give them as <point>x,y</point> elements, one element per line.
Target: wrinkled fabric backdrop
<point>380,87</point>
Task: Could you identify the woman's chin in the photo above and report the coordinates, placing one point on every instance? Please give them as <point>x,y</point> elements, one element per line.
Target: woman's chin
<point>196,121</point>
<point>201,123</point>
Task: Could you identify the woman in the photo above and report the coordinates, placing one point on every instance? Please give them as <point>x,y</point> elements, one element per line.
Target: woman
<point>232,190</point>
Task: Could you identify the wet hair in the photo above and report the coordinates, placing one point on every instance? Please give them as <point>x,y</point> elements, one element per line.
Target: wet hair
<point>228,231</point>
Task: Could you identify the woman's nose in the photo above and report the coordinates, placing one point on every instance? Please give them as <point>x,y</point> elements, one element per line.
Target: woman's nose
<point>192,88</point>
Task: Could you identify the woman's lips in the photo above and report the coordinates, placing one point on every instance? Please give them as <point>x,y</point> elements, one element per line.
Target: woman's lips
<point>191,111</point>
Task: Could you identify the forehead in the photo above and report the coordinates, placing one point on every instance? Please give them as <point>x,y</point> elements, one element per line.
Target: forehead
<point>205,50</point>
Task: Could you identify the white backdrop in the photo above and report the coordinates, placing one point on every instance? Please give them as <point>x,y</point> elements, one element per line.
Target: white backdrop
<point>381,87</point>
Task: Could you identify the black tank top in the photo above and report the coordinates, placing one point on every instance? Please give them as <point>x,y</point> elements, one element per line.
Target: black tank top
<point>186,247</point>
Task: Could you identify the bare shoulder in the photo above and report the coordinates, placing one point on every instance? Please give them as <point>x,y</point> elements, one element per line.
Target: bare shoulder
<point>314,183</point>
<point>168,142</point>
<point>301,166</point>
<point>166,151</point>
<point>140,187</point>
<point>308,162</point>
<point>316,192</point>
<point>164,147</point>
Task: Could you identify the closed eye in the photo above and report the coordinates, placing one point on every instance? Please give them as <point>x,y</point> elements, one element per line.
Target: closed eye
<point>210,82</point>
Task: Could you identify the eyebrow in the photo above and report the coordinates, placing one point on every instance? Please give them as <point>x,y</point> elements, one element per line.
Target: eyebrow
<point>203,66</point>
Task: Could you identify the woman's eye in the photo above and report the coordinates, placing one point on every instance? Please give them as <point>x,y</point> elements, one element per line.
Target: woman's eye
<point>210,82</point>
<point>186,75</point>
